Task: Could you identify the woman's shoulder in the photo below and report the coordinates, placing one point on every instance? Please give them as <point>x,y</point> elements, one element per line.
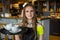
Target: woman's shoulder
<point>40,29</point>
<point>39,24</point>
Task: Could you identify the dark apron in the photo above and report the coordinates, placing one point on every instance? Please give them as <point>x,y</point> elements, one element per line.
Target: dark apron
<point>29,35</point>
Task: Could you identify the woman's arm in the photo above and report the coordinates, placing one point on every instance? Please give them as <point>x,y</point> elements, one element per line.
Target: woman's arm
<point>40,32</point>
<point>40,37</point>
<point>17,37</point>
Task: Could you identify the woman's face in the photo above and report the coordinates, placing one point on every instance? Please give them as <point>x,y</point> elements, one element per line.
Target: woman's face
<point>29,12</point>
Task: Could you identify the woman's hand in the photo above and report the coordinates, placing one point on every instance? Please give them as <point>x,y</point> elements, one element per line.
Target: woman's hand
<point>1,27</point>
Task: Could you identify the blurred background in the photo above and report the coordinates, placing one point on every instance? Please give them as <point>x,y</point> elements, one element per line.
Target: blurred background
<point>47,12</point>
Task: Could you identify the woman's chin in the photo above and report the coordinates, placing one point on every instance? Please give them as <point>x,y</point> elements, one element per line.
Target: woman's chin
<point>30,18</point>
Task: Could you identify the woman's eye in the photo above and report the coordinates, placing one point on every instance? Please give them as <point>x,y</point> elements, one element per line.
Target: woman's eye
<point>31,10</point>
<point>27,11</point>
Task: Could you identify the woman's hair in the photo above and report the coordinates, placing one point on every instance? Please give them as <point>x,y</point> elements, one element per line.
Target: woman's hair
<point>34,19</point>
<point>25,19</point>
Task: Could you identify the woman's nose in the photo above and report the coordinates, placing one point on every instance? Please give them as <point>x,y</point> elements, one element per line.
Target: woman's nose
<point>29,12</point>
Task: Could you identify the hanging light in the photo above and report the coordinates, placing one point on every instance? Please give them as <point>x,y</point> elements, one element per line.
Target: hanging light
<point>25,4</point>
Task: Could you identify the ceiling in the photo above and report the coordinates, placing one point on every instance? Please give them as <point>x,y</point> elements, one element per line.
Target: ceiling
<point>15,1</point>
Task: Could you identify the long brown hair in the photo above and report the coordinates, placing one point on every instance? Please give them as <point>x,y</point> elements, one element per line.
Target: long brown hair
<point>34,19</point>
<point>25,19</point>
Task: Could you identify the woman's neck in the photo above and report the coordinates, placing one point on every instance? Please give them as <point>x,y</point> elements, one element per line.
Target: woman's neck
<point>29,23</point>
<point>29,20</point>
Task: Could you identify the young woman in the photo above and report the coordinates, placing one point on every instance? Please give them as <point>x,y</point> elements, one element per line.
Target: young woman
<point>30,21</point>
